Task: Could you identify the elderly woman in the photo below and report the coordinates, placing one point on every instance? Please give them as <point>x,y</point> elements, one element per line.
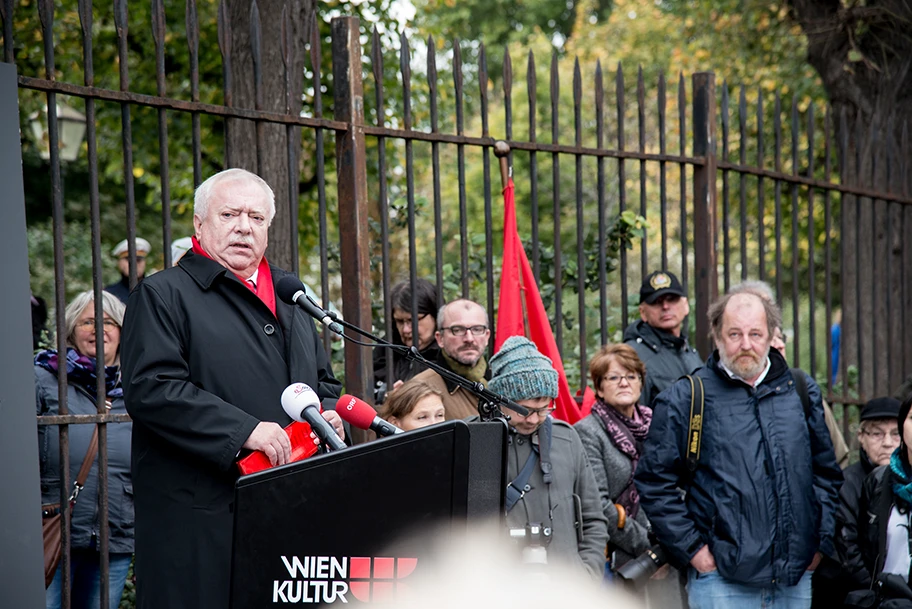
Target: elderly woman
<point>613,437</point>
<point>873,540</point>
<point>82,398</point>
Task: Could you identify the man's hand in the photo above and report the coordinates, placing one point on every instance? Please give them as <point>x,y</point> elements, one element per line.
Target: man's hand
<point>272,440</point>
<point>332,417</point>
<point>815,562</point>
<point>703,560</point>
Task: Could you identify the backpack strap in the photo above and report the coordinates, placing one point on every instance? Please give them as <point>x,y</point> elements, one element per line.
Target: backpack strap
<point>695,431</point>
<point>802,388</point>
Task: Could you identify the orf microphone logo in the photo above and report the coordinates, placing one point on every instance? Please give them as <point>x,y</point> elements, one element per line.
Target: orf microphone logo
<point>378,578</point>
<point>350,405</point>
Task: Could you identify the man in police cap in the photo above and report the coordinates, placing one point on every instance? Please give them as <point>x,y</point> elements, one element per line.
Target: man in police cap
<point>121,252</point>
<point>658,336</point>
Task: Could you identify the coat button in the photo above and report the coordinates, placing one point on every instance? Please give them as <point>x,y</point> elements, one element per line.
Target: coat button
<point>527,488</point>
<point>269,329</point>
<point>519,441</point>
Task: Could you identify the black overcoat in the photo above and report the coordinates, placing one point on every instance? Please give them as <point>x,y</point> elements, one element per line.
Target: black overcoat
<point>204,361</point>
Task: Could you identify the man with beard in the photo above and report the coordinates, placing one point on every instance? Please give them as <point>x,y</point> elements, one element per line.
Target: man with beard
<point>462,335</point>
<point>759,472</point>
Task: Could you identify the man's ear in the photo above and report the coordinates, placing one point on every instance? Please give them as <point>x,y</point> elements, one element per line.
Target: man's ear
<point>641,309</point>
<point>686,305</point>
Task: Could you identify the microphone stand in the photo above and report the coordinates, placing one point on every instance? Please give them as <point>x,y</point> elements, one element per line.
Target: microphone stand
<point>489,403</point>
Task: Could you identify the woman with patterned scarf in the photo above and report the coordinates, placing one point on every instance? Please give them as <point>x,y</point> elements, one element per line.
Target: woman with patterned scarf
<point>874,541</point>
<point>82,398</point>
<point>613,437</point>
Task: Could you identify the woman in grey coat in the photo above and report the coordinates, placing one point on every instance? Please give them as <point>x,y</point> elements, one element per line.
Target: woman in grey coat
<point>82,398</point>
<point>613,437</point>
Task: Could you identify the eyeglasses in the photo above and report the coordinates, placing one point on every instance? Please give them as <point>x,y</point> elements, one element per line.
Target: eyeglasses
<point>879,435</point>
<point>404,323</point>
<point>614,379</point>
<point>87,324</point>
<point>542,412</point>
<point>461,330</point>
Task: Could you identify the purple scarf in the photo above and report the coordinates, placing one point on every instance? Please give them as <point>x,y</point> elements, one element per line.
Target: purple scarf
<point>81,371</point>
<point>627,435</point>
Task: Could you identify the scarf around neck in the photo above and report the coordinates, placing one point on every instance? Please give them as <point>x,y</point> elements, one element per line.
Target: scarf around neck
<point>627,435</point>
<point>902,478</point>
<point>475,373</point>
<point>264,291</point>
<point>80,371</point>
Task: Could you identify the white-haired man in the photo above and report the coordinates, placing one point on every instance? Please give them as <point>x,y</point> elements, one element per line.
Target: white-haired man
<point>208,350</point>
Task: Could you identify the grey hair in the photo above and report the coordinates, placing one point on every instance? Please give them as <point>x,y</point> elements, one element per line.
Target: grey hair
<point>110,304</point>
<point>717,309</point>
<point>758,288</point>
<point>464,302</point>
<point>203,194</point>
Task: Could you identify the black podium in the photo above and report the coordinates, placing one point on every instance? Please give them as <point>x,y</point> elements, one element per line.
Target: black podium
<point>346,526</point>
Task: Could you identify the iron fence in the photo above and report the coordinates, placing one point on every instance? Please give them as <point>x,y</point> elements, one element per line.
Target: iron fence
<point>398,217</point>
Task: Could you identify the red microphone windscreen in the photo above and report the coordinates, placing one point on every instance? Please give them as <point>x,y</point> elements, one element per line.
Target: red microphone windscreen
<point>356,411</point>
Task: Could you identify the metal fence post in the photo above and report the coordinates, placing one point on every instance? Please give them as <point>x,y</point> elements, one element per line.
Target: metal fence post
<point>351,169</point>
<point>706,284</point>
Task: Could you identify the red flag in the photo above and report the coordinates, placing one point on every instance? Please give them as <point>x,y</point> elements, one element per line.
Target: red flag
<point>517,286</point>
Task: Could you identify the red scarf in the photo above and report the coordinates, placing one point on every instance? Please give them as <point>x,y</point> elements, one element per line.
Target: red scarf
<point>264,291</point>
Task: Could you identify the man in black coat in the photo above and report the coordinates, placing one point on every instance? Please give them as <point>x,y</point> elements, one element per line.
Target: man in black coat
<point>207,351</point>
<point>658,336</point>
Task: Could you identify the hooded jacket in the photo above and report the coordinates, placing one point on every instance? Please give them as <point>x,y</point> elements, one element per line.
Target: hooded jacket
<point>667,357</point>
<point>764,493</point>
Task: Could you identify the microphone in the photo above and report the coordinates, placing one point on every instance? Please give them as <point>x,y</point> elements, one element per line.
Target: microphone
<point>291,290</point>
<point>301,403</point>
<point>359,413</point>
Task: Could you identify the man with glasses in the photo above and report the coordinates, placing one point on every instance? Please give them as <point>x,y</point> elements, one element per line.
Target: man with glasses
<point>121,289</point>
<point>658,336</point>
<point>878,437</point>
<point>462,335</point>
<point>550,480</point>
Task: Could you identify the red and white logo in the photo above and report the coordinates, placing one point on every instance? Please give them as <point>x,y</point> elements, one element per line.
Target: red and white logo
<point>329,579</point>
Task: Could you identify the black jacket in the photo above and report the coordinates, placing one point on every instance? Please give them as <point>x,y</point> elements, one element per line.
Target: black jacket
<point>765,490</point>
<point>204,361</point>
<point>667,357</point>
<point>403,369</point>
<point>862,535</point>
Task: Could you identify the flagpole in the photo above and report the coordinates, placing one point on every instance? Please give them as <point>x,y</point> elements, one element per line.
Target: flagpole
<point>502,152</point>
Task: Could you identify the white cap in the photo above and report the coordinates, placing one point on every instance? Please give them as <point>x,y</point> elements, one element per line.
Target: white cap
<point>141,246</point>
<point>179,247</point>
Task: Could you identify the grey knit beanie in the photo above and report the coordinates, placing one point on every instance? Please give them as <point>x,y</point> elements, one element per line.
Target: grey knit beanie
<point>520,372</point>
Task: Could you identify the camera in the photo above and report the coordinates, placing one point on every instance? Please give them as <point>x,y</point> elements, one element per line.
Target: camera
<point>379,393</point>
<point>533,538</point>
<point>637,571</point>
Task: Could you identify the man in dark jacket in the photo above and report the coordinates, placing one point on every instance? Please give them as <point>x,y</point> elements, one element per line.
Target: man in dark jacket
<point>207,351</point>
<point>658,337</point>
<point>761,498</point>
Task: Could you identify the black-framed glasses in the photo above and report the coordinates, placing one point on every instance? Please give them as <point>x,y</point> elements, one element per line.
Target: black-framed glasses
<point>461,330</point>
<point>542,412</point>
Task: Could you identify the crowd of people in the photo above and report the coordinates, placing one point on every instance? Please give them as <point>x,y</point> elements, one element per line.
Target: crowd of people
<point>728,469</point>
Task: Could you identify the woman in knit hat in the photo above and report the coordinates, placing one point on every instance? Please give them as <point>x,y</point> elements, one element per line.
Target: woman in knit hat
<point>549,478</point>
<point>877,542</point>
